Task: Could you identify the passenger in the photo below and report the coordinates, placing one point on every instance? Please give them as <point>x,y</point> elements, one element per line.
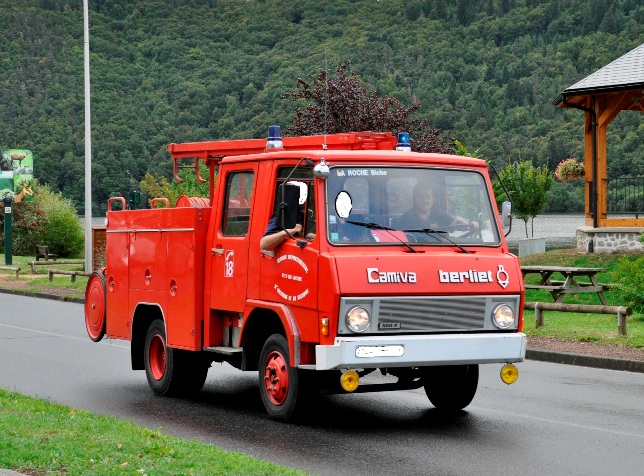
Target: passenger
<point>423,215</point>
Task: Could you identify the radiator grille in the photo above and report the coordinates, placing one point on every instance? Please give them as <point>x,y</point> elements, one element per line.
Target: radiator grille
<point>436,314</point>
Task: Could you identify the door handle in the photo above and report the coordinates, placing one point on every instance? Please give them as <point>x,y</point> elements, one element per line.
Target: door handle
<point>217,251</point>
<point>270,254</point>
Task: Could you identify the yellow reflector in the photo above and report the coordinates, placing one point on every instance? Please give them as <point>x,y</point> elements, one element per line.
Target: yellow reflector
<point>350,380</point>
<point>509,373</point>
<point>324,326</point>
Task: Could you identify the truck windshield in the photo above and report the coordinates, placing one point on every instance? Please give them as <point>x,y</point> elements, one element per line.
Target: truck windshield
<point>420,206</point>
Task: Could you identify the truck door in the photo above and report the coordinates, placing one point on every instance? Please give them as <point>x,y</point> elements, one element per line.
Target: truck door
<point>229,279</point>
<point>290,275</point>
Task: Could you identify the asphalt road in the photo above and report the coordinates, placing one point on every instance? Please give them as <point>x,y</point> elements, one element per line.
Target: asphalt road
<point>556,419</point>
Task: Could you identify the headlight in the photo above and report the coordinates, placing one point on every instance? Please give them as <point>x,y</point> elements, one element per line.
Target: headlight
<point>358,319</point>
<point>503,316</point>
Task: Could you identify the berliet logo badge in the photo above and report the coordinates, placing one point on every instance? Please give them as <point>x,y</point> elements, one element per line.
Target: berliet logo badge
<point>474,276</point>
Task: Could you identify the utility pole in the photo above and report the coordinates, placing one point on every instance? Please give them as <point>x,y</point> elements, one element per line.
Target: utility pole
<point>88,145</point>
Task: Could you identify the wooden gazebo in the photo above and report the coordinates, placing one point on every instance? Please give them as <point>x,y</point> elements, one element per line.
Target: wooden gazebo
<point>618,86</point>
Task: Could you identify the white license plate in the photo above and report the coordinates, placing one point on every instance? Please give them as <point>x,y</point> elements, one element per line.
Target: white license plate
<point>380,351</point>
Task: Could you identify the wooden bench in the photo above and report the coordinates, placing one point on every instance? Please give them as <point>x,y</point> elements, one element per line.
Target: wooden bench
<point>583,284</point>
<point>12,268</point>
<point>620,311</point>
<point>33,264</point>
<point>67,272</point>
<point>42,251</point>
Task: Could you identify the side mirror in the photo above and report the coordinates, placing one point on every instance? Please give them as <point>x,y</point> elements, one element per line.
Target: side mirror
<point>506,215</point>
<point>287,205</point>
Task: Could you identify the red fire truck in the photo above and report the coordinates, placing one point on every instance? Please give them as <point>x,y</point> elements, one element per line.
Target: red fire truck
<point>371,284</point>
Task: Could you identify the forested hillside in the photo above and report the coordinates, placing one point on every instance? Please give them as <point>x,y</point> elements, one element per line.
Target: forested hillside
<point>186,70</point>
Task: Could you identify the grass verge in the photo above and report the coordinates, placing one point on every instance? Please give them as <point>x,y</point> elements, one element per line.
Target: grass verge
<point>600,328</point>
<point>39,437</point>
<point>39,283</point>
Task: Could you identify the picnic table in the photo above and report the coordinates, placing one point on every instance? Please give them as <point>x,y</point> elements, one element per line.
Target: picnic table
<point>569,284</point>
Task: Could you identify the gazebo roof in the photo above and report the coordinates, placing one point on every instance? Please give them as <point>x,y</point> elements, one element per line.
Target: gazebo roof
<point>625,73</point>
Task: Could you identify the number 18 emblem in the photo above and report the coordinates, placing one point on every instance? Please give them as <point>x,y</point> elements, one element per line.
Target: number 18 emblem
<point>229,264</point>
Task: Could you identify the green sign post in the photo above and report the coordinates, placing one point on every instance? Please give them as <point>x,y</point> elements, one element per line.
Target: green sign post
<point>8,239</point>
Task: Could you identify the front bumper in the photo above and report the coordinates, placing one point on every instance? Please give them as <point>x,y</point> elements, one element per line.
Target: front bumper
<point>420,350</point>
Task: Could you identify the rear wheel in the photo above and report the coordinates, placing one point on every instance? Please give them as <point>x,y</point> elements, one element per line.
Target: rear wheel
<point>171,372</point>
<point>451,387</point>
<point>278,381</point>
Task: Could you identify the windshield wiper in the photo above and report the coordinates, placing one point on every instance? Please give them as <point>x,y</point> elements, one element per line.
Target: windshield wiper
<point>439,233</point>
<point>376,226</point>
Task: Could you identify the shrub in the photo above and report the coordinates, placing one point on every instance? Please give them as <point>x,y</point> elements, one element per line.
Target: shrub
<point>629,282</point>
<point>63,232</point>
<point>28,222</point>
<point>49,220</point>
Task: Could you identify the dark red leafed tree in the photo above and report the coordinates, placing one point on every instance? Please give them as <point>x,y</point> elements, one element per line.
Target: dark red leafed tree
<point>343,104</point>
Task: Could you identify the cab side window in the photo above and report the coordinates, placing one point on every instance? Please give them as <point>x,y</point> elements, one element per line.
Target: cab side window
<point>239,188</point>
<point>308,209</point>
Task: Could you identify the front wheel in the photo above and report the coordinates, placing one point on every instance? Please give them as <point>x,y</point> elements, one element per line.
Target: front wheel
<point>278,381</point>
<point>451,387</point>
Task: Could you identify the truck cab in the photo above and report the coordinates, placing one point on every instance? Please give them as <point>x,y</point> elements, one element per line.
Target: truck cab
<point>401,267</point>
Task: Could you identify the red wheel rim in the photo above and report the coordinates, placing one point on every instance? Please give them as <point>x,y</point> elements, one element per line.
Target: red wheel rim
<point>276,378</point>
<point>95,307</point>
<point>157,357</point>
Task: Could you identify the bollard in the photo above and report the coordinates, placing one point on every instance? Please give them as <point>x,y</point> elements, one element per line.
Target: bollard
<point>538,316</point>
<point>621,322</point>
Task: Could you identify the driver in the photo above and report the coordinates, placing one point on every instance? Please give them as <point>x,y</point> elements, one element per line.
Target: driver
<point>274,235</point>
<point>422,215</point>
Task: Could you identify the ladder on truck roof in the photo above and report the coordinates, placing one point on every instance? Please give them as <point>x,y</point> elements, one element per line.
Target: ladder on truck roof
<point>216,150</point>
<point>212,152</point>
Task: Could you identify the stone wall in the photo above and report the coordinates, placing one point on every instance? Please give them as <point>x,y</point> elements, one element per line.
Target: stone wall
<point>609,240</point>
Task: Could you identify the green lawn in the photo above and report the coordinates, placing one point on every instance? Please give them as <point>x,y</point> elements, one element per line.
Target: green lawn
<point>39,282</point>
<point>39,437</point>
<point>601,328</point>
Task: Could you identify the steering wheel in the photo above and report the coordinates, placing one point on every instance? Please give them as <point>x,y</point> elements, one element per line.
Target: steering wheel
<point>470,230</point>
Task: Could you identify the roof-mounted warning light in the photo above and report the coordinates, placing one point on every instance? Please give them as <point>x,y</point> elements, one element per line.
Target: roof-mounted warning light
<point>274,138</point>
<point>404,142</point>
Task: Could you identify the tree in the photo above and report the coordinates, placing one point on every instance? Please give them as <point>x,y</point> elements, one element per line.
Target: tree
<point>528,186</point>
<point>343,104</point>
<point>157,187</point>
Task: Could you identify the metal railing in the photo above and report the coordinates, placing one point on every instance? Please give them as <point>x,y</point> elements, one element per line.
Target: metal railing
<point>625,196</point>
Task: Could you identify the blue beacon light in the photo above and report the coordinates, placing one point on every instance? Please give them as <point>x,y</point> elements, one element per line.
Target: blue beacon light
<point>404,142</point>
<point>274,138</point>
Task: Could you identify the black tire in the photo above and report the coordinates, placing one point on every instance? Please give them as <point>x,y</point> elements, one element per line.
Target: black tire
<point>278,382</point>
<point>171,372</point>
<point>451,387</point>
